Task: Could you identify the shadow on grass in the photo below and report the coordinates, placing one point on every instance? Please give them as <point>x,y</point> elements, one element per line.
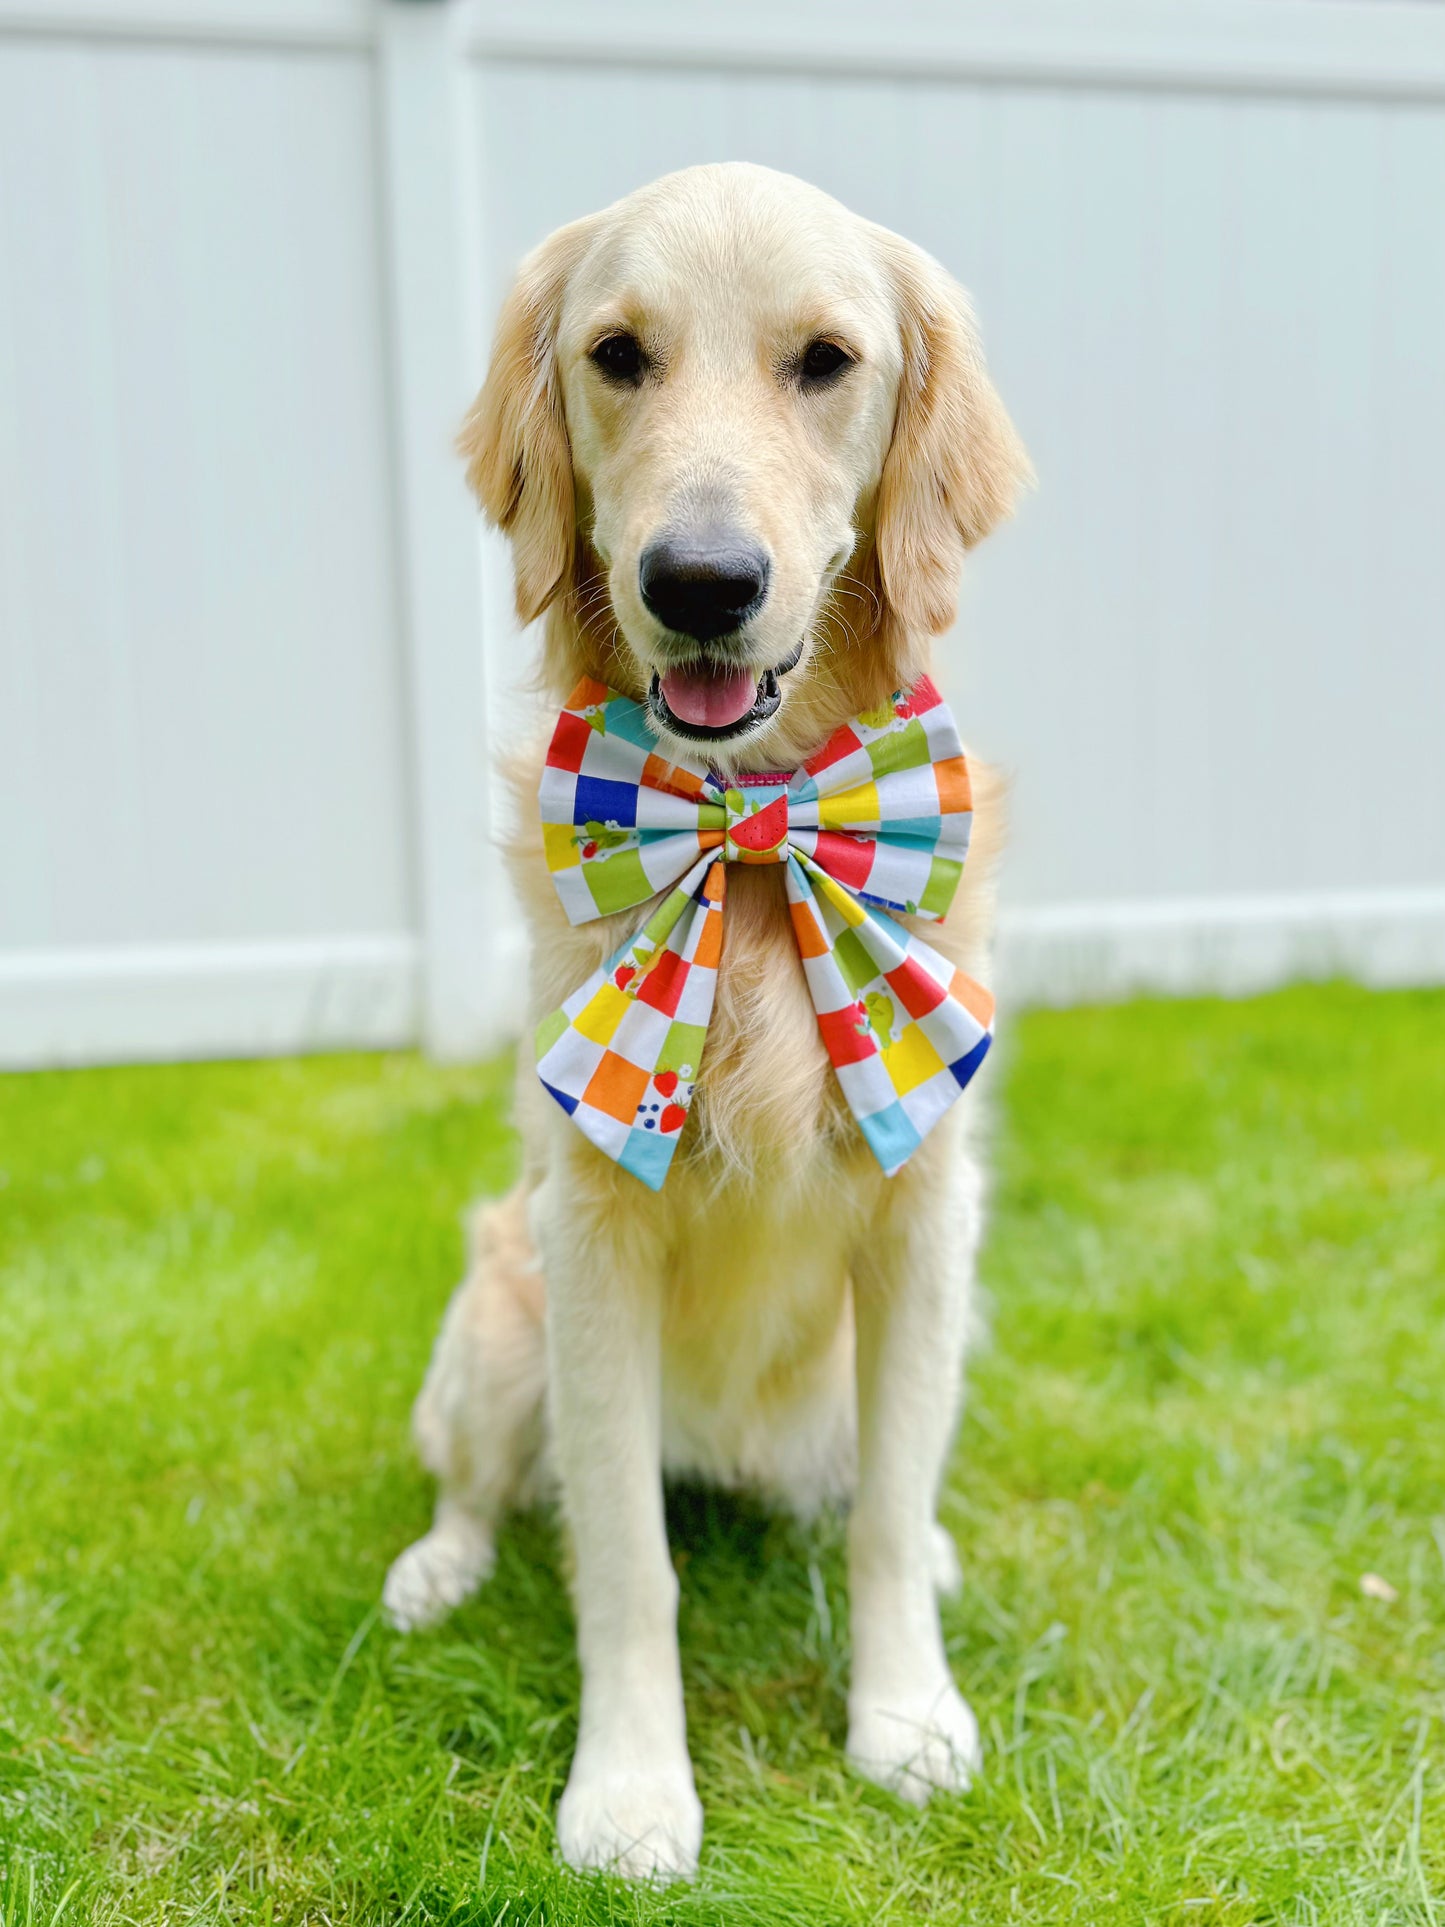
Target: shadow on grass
<point>761,1623</point>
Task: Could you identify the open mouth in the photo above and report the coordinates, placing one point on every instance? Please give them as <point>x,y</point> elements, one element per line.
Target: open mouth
<point>710,702</point>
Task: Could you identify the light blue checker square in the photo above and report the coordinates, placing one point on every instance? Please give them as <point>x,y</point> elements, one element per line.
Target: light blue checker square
<point>648,1155</point>
<point>893,931</point>
<point>891,1137</point>
<point>628,720</point>
<point>927,829</point>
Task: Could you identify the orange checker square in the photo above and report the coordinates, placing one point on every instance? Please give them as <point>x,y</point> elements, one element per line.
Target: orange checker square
<point>709,940</point>
<point>974,998</point>
<point>659,774</point>
<point>955,790</point>
<point>807,930</point>
<point>917,989</point>
<point>616,1087</point>
<point>587,693</point>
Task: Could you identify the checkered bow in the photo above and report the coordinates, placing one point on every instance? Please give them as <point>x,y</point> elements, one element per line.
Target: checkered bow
<point>877,820</point>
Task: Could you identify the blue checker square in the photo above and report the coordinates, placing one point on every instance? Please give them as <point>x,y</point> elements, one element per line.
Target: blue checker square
<point>964,1067</point>
<point>601,802</point>
<point>891,1136</point>
<point>647,1156</point>
<point>564,1098</point>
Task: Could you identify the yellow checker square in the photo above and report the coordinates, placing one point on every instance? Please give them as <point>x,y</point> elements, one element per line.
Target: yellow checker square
<point>849,808</point>
<point>559,843</point>
<point>599,1017</point>
<point>911,1061</point>
<point>841,899</point>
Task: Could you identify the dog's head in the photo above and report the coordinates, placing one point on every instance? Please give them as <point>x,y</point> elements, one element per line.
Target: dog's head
<point>740,440</point>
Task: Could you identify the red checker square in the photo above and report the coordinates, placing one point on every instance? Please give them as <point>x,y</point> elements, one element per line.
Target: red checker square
<point>923,697</point>
<point>847,1043</point>
<point>662,986</point>
<point>569,742</point>
<point>840,744</point>
<point>616,1087</point>
<point>848,858</point>
<point>915,988</point>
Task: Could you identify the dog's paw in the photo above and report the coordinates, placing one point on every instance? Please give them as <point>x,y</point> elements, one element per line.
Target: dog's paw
<point>917,1747</point>
<point>435,1575</point>
<point>643,1823</point>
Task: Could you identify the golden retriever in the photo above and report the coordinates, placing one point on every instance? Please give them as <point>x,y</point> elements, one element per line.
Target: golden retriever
<point>740,440</point>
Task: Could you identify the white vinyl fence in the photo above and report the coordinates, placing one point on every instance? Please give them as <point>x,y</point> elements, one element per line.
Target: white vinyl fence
<point>254,654</point>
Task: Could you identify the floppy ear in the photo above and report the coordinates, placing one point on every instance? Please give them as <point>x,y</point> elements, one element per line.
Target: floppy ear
<point>519,461</point>
<point>955,464</point>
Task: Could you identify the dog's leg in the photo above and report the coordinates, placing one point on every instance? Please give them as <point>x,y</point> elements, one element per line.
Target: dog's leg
<point>478,1419</point>
<point>908,1726</point>
<point>630,1805</point>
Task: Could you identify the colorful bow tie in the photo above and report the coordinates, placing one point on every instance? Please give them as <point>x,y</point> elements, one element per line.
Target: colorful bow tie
<point>878,820</point>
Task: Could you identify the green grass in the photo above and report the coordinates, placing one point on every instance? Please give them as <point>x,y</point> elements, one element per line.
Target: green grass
<point>1215,1398</point>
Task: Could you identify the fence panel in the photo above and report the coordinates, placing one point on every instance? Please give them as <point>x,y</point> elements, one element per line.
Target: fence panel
<point>255,656</point>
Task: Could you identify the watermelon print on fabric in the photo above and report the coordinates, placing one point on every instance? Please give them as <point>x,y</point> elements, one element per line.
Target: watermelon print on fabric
<point>877,821</point>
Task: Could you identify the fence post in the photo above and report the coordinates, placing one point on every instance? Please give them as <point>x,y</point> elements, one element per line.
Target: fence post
<point>437,347</point>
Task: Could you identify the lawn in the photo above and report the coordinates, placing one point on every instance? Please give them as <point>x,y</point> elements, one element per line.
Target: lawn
<point>1199,1494</point>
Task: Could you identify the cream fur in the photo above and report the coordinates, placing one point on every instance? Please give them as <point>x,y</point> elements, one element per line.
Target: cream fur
<point>780,1316</point>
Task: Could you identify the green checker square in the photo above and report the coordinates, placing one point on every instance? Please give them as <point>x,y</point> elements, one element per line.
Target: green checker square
<point>663,921</point>
<point>938,892</point>
<point>549,1030</point>
<point>618,881</point>
<point>852,959</point>
<point>682,1045</point>
<point>905,748</point>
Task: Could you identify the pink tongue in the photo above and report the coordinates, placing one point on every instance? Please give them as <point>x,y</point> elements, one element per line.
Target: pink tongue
<point>708,700</point>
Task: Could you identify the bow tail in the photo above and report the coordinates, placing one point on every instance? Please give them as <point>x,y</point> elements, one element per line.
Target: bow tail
<point>623,1053</point>
<point>904,1029</point>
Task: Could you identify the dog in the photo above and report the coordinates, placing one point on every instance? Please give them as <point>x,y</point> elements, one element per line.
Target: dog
<point>740,440</point>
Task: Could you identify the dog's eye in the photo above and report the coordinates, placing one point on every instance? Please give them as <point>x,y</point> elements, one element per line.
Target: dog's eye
<point>822,360</point>
<point>619,356</point>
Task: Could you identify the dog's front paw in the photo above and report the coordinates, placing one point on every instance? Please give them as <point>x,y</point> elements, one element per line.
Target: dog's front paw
<point>435,1575</point>
<point>916,1746</point>
<point>626,1818</point>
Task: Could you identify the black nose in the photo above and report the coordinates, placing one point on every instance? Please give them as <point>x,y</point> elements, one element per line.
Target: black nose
<point>703,586</point>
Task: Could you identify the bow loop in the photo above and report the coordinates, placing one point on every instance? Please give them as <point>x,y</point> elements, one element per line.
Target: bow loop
<point>877,820</point>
